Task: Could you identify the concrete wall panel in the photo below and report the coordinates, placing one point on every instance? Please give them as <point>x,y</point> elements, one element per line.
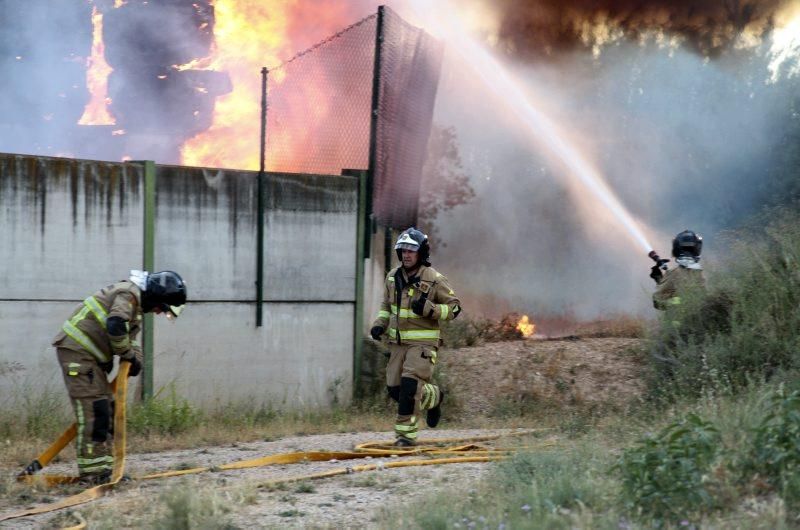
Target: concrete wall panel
<point>301,356</point>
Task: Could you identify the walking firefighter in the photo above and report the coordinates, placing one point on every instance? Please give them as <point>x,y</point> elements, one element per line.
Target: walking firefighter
<point>416,298</point>
<point>103,326</point>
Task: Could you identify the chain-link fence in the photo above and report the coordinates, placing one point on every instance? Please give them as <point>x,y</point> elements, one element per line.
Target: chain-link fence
<point>346,103</point>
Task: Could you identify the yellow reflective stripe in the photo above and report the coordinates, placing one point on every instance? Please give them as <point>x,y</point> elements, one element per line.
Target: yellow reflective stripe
<point>420,334</point>
<point>415,334</point>
<point>405,428</point>
<point>411,292</point>
<point>391,279</point>
<point>444,310</point>
<point>73,368</point>
<point>99,313</point>
<point>99,460</point>
<point>383,314</point>
<point>81,426</point>
<point>81,338</point>
<point>404,313</point>
<point>675,300</point>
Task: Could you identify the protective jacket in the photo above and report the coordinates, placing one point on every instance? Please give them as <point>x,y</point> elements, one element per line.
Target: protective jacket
<point>396,316</point>
<point>87,331</point>
<point>675,281</point>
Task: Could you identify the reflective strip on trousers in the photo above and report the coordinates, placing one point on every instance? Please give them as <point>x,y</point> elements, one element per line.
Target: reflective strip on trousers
<point>428,397</point>
<point>91,465</point>
<point>415,334</point>
<point>383,314</point>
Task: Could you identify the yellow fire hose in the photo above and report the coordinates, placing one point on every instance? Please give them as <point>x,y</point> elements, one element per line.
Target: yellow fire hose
<point>432,447</point>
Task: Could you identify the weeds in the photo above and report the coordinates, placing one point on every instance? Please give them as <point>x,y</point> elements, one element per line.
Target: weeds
<point>666,475</point>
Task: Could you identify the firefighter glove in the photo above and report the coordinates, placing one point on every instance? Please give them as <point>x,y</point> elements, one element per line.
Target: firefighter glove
<point>107,367</point>
<point>376,332</point>
<point>136,367</point>
<point>656,274</point>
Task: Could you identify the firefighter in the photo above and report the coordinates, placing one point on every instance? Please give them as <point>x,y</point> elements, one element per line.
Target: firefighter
<point>686,249</point>
<point>103,326</point>
<point>416,298</point>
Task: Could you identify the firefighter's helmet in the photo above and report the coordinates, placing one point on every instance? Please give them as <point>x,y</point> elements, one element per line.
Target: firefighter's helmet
<point>687,243</point>
<point>413,239</point>
<point>165,290</point>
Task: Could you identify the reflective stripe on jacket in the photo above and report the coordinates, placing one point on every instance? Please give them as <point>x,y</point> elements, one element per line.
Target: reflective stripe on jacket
<point>86,329</point>
<point>402,325</point>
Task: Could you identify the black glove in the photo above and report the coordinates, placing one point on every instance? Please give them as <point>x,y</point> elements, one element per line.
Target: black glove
<point>418,306</point>
<point>656,273</point>
<point>107,367</point>
<point>376,332</point>
<point>136,367</point>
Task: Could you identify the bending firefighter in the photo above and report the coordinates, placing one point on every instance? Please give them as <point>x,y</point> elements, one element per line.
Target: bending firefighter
<point>686,249</point>
<point>105,325</point>
<point>416,298</point>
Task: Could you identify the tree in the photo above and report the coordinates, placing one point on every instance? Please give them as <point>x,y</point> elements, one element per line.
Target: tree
<point>445,185</point>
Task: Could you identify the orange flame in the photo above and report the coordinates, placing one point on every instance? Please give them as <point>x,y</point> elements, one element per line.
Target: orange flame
<point>526,326</point>
<point>248,35</point>
<point>98,70</point>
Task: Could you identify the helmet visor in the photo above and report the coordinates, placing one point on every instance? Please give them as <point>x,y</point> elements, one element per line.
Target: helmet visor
<point>174,311</point>
<point>407,246</point>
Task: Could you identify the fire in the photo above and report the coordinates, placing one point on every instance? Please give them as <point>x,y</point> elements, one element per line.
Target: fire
<point>785,49</point>
<point>98,70</point>
<point>249,35</point>
<point>526,326</point>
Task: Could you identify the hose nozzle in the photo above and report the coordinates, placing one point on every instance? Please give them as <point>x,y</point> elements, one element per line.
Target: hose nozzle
<point>660,262</point>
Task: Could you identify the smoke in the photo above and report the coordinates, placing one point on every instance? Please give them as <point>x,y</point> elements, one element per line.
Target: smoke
<point>685,142</point>
<point>548,28</point>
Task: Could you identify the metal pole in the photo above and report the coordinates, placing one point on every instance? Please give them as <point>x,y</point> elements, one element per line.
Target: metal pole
<point>148,264</point>
<point>260,206</point>
<point>373,130</point>
<point>358,312</point>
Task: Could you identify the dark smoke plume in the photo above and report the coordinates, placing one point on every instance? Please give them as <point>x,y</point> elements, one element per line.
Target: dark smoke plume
<point>544,28</point>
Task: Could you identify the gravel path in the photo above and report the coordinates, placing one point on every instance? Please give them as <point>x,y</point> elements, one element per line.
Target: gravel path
<point>345,501</point>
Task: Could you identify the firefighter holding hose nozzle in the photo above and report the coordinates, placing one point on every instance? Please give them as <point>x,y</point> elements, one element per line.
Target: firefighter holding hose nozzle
<point>686,249</point>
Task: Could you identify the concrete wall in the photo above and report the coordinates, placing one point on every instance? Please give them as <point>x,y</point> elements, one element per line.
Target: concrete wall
<point>70,227</point>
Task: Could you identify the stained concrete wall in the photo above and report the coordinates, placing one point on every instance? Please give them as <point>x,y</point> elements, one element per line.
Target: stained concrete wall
<point>70,227</point>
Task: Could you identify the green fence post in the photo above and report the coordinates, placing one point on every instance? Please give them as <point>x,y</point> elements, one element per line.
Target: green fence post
<point>148,265</point>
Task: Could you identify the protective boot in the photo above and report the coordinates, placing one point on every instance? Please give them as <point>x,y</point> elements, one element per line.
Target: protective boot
<point>404,442</point>
<point>434,415</point>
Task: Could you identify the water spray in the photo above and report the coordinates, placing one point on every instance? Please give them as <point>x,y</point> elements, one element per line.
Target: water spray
<point>509,90</point>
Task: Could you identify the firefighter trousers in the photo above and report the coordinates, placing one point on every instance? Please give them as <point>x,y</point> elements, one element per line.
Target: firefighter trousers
<point>408,380</point>
<point>92,401</point>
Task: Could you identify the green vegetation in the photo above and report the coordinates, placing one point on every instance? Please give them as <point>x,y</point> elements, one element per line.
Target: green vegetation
<point>715,445</point>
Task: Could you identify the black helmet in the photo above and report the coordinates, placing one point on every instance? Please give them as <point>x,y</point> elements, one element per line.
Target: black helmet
<point>166,291</point>
<point>413,239</point>
<point>687,243</point>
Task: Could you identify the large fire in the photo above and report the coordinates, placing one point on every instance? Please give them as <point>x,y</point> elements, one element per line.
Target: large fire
<point>249,35</point>
<point>98,70</point>
<point>526,326</point>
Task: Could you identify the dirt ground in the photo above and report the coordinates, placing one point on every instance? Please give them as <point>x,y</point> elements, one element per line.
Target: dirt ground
<point>553,373</point>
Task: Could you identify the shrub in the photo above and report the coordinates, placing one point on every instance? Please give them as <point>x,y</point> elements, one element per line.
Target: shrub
<point>744,327</point>
<point>666,475</point>
<point>775,453</point>
<point>170,415</point>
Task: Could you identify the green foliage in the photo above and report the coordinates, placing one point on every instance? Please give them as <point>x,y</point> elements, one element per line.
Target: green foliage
<point>171,415</point>
<point>744,327</point>
<point>775,453</point>
<point>188,509</point>
<point>667,475</point>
